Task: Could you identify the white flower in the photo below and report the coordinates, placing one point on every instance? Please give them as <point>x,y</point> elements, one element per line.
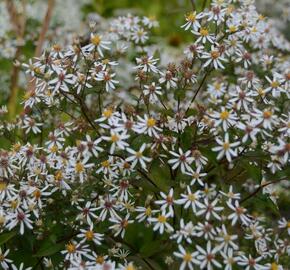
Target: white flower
<point>106,77</point>
<point>225,148</point>
<point>62,81</point>
<point>231,195</point>
<point>214,57</point>
<point>147,64</point>
<point>210,209</point>
<point>145,213</point>
<point>169,79</point>
<point>138,157</point>
<point>188,258</point>
<point>250,262</point>
<point>120,225</point>
<point>19,217</point>
<point>90,235</point>
<point>117,141</point>
<point>182,160</point>
<point>97,43</point>
<point>225,118</point>
<point>192,21</point>
<point>30,124</point>
<point>167,202</point>
<point>207,257</point>
<point>229,258</point>
<point>161,223</point>
<point>266,117</point>
<point>139,35</point>
<point>79,167</point>
<point>5,262</point>
<point>196,176</point>
<point>152,91</point>
<point>275,85</point>
<point>238,214</point>
<point>87,213</point>
<point>190,199</point>
<point>147,125</point>
<point>204,36</point>
<point>226,240</point>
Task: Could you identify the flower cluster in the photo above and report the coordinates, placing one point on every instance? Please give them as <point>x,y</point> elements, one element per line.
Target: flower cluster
<point>180,167</point>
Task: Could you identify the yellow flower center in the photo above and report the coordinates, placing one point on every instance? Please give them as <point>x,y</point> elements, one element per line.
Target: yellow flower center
<point>130,267</point>
<point>233,42</point>
<point>96,40</point>
<point>162,219</point>
<point>187,257</point>
<point>89,235</point>
<point>274,266</point>
<point>71,248</point>
<point>233,28</point>
<point>53,149</point>
<point>275,84</point>
<point>261,17</point>
<point>214,54</point>
<point>138,154</point>
<point>114,138</point>
<point>226,146</point>
<point>37,193</point>
<point>140,33</point>
<point>106,61</point>
<point>100,260</point>
<point>267,114</point>
<point>16,147</point>
<point>227,238</point>
<point>191,197</point>
<point>58,176</point>
<point>106,163</point>
<point>3,186</point>
<point>191,17</point>
<point>56,47</point>
<point>217,86</point>
<point>79,167</point>
<point>151,122</point>
<point>108,113</point>
<point>2,220</point>
<point>203,32</point>
<point>288,224</point>
<point>148,211</point>
<point>254,29</point>
<point>224,115</point>
<point>261,92</point>
<point>14,204</point>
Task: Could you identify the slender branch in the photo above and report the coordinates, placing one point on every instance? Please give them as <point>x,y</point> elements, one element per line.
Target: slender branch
<point>18,22</point>
<point>197,91</point>
<point>193,5</point>
<point>41,38</point>
<point>260,188</point>
<point>44,28</point>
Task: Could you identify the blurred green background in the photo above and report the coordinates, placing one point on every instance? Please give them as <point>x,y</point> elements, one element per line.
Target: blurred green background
<point>169,13</point>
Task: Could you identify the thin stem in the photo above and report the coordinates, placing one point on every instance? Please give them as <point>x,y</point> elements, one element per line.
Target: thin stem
<point>197,91</point>
<point>193,5</point>
<point>260,188</point>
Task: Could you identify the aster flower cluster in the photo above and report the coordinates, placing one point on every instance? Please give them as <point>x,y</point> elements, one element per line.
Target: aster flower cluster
<point>183,169</point>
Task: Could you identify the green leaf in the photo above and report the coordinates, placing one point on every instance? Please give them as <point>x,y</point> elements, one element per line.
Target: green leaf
<point>151,248</point>
<point>6,237</point>
<point>48,251</point>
